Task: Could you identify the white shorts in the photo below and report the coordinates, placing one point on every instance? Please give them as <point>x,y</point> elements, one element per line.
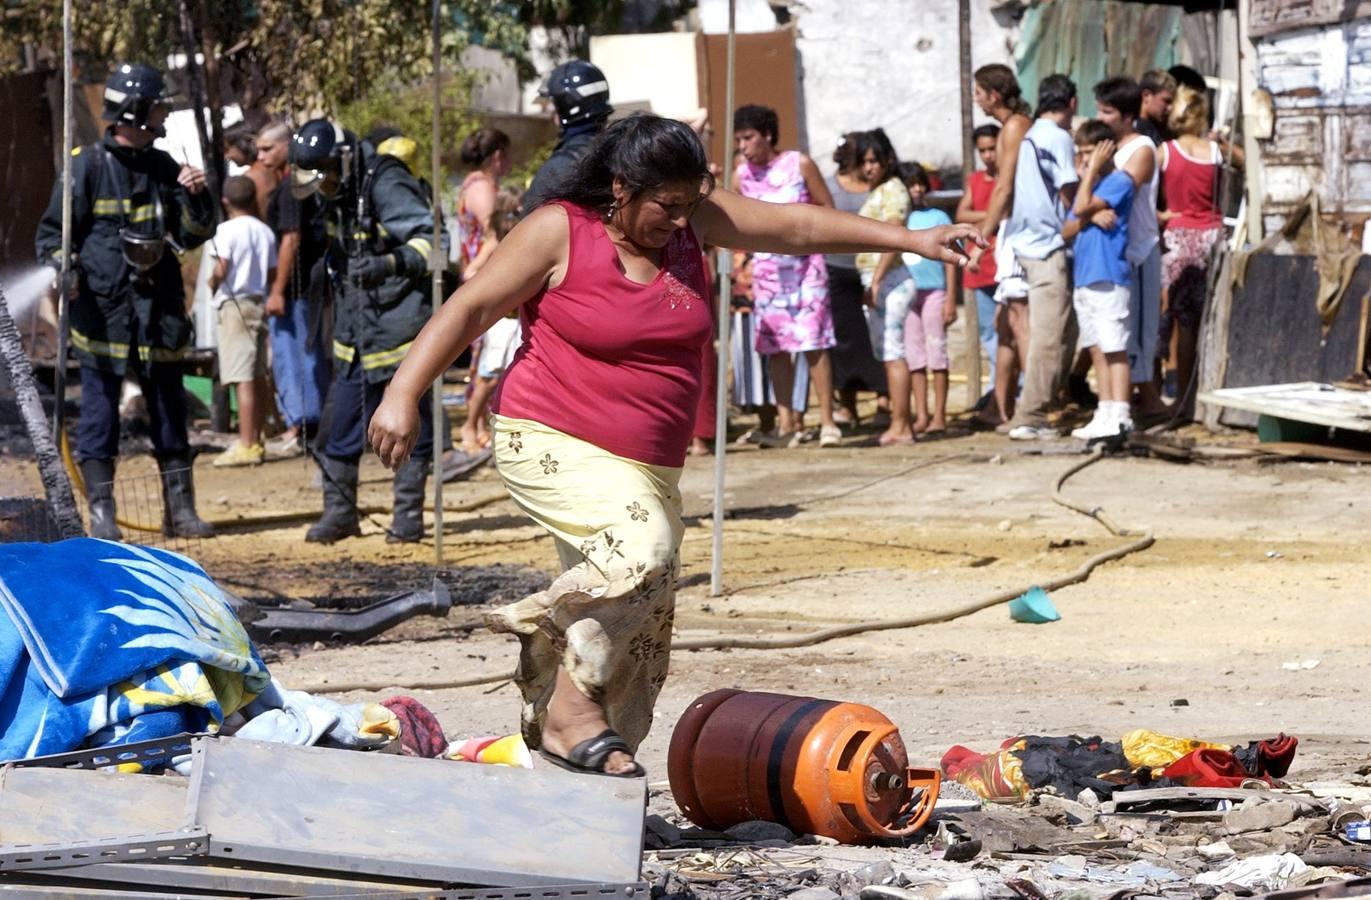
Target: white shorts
<point>498,347</point>
<point>885,321</point>
<point>1102,313</point>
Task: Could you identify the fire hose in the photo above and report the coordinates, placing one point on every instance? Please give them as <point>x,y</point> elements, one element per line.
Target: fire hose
<point>1138,540</point>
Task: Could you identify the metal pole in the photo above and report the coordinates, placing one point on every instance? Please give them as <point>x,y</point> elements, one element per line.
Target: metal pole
<point>725,270</point>
<point>1247,85</point>
<point>969,307</point>
<point>64,275</point>
<point>435,264</point>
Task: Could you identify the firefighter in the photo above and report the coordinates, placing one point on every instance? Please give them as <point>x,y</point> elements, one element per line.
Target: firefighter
<point>132,207</point>
<point>580,95</point>
<point>377,267</point>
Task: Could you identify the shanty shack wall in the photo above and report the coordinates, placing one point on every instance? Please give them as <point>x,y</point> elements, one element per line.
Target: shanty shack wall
<point>1314,59</point>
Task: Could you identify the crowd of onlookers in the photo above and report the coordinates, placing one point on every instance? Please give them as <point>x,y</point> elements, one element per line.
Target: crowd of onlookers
<point>1099,237</point>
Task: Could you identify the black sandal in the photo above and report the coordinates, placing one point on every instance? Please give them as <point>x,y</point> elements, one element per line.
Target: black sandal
<point>588,757</point>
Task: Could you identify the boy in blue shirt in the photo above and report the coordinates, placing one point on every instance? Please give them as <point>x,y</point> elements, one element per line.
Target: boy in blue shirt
<point>1098,223</point>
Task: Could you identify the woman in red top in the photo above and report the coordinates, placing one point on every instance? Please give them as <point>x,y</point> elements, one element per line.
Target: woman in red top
<point>594,416</point>
<point>1192,222</point>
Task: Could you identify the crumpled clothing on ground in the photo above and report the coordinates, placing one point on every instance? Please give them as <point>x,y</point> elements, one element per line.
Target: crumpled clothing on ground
<point>1067,765</point>
<point>420,732</point>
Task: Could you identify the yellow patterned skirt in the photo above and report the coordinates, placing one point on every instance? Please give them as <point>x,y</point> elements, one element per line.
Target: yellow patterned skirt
<point>607,618</point>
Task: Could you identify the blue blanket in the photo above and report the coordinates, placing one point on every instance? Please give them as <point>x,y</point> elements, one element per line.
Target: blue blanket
<point>96,634</point>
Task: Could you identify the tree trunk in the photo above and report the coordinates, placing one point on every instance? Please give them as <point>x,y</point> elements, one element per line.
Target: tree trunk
<point>61,500</point>
<point>209,47</point>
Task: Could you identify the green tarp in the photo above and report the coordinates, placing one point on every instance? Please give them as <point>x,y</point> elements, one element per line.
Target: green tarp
<point>1090,40</point>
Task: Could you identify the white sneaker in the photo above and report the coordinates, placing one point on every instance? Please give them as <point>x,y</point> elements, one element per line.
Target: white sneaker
<point>1103,427</point>
<point>1097,423</point>
<point>1032,433</point>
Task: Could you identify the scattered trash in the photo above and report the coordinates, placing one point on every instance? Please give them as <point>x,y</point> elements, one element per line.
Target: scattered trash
<point>1256,873</point>
<point>1034,607</point>
<point>1358,831</point>
<point>1274,554</point>
<point>1005,525</point>
<point>1180,701</point>
<point>1296,665</point>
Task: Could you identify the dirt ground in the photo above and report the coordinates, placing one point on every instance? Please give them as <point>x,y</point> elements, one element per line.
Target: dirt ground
<point>1246,618</point>
<point>1255,565</point>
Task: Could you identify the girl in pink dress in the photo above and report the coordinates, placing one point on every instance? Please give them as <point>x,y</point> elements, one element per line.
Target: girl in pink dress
<point>792,313</point>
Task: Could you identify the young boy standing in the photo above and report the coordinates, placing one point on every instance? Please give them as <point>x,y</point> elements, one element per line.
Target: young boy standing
<point>244,251</point>
<point>1099,224</point>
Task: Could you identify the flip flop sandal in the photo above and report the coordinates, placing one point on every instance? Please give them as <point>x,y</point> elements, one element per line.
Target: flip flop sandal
<point>588,757</point>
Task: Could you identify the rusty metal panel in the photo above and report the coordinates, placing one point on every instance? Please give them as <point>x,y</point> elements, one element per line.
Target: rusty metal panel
<point>1275,16</point>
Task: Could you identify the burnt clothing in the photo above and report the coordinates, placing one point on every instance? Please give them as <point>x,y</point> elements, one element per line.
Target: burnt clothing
<point>381,213</point>
<point>571,148</point>
<point>121,314</point>
<point>352,399</point>
<point>1068,765</point>
<point>97,431</point>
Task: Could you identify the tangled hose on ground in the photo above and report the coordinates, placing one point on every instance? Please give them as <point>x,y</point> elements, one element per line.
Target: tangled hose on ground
<point>1141,540</point>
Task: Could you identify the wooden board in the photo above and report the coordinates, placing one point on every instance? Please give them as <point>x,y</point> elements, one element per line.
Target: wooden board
<point>1317,404</point>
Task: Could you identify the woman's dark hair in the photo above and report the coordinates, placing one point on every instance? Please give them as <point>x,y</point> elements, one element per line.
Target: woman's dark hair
<point>1055,93</point>
<point>876,141</point>
<point>991,131</point>
<point>481,145</point>
<point>845,154</point>
<point>1000,79</point>
<point>912,173</point>
<point>761,119</point>
<point>243,139</point>
<point>645,152</point>
<point>1124,94</point>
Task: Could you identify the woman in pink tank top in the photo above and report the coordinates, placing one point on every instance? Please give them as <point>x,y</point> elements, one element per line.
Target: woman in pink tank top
<point>595,414</point>
<point>1192,222</point>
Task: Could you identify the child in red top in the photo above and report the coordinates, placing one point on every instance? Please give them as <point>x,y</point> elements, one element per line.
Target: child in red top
<point>974,203</point>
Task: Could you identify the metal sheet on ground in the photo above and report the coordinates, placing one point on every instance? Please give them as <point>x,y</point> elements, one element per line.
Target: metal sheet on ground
<point>61,805</point>
<point>205,875</point>
<point>405,817</point>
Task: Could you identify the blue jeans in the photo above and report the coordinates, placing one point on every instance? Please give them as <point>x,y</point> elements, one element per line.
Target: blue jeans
<point>985,313</point>
<point>301,374</point>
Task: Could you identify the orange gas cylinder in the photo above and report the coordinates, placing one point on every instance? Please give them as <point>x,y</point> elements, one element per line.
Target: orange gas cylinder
<point>815,766</point>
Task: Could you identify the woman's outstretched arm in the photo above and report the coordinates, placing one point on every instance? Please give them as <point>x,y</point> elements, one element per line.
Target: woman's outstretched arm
<point>728,220</point>
<point>530,257</point>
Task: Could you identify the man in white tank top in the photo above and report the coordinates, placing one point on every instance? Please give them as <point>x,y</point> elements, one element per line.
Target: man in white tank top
<point>1118,102</point>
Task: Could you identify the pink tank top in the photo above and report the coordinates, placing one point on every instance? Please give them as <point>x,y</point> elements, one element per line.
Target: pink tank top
<point>611,361</point>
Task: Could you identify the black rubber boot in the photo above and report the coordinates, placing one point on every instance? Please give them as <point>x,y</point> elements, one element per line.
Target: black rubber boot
<point>340,519</point>
<point>408,524</point>
<point>99,477</point>
<point>179,518</point>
